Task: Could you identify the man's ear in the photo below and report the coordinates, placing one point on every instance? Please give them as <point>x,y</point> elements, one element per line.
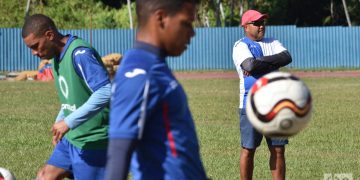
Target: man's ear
<point>246,27</point>
<point>50,35</point>
<point>160,17</point>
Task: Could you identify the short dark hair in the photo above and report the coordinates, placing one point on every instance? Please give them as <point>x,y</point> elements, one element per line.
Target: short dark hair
<point>145,7</point>
<point>37,24</point>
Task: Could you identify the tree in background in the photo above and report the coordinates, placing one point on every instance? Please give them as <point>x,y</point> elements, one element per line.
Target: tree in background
<point>74,14</point>
<point>305,13</point>
<point>108,14</point>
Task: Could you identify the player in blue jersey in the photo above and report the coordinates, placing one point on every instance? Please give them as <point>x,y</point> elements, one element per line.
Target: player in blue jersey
<point>151,127</point>
<point>84,89</point>
<point>253,57</point>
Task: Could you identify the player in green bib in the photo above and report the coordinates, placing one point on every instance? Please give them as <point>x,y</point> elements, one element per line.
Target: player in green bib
<point>80,133</point>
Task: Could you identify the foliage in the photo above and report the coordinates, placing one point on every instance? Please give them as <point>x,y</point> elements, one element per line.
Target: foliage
<point>284,12</point>
<point>329,145</point>
<point>308,12</point>
<point>76,14</point>
<point>80,14</point>
<point>11,13</point>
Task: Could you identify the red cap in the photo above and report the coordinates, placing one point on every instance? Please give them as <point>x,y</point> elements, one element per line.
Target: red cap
<point>251,15</point>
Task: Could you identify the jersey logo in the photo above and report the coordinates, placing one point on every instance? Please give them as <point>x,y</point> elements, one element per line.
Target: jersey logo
<point>79,52</point>
<point>63,87</point>
<point>173,84</point>
<point>68,107</point>
<point>134,73</point>
<point>252,46</point>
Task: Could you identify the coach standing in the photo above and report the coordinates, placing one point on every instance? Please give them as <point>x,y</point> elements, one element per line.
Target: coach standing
<point>255,56</point>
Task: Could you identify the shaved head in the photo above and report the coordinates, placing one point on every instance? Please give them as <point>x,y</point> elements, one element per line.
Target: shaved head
<point>37,24</point>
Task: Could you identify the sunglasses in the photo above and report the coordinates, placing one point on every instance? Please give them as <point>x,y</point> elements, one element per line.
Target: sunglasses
<point>257,23</point>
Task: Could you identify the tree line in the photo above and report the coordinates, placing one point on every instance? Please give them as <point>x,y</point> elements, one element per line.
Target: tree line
<point>110,14</point>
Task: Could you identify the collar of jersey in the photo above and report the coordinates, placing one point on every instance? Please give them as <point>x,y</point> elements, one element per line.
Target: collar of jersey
<point>68,42</point>
<point>150,48</point>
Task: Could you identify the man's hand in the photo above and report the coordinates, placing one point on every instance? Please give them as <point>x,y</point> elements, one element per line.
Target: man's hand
<point>246,73</point>
<point>59,129</point>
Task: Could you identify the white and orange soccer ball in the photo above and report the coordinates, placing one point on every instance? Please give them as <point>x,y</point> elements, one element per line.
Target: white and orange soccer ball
<point>5,174</point>
<point>279,105</point>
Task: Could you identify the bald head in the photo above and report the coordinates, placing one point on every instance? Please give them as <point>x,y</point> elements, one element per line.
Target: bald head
<point>37,24</point>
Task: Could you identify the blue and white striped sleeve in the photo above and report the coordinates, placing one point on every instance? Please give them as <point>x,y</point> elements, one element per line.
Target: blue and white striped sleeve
<point>89,68</point>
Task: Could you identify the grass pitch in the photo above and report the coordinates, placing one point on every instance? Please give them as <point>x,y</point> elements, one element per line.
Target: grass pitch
<point>331,143</point>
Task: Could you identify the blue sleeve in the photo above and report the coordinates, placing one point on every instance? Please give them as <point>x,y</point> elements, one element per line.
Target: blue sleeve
<point>134,95</point>
<point>60,115</point>
<point>89,68</point>
<point>119,157</point>
<point>97,101</point>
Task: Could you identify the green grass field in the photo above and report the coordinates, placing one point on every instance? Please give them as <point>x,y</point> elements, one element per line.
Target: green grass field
<point>331,143</point>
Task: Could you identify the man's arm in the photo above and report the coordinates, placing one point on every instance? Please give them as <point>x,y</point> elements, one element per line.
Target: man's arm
<point>266,64</point>
<point>60,115</point>
<point>133,99</point>
<point>97,101</point>
<point>280,60</point>
<point>97,80</point>
<point>254,66</point>
<point>246,63</point>
<point>119,158</point>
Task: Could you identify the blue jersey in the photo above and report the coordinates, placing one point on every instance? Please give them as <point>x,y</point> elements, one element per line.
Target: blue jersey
<point>149,104</point>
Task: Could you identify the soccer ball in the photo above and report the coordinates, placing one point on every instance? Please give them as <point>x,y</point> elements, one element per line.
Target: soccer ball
<point>279,105</point>
<point>6,174</point>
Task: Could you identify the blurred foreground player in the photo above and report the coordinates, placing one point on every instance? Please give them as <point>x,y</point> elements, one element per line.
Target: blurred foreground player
<point>151,127</point>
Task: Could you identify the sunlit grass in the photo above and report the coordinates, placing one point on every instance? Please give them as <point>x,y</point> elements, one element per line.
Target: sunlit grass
<point>331,143</point>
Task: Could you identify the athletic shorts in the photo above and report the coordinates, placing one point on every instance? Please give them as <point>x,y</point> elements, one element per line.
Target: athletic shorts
<point>251,138</point>
<point>83,164</point>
